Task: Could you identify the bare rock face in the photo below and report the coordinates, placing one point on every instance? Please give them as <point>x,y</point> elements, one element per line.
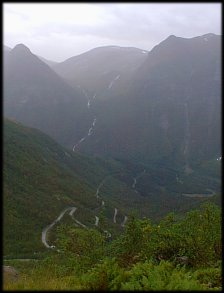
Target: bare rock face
<point>10,274</point>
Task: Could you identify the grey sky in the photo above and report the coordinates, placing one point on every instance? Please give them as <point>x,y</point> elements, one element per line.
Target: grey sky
<point>58,31</point>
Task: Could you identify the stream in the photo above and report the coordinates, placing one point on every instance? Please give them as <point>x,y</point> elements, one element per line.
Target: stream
<point>187,140</point>
<point>113,81</point>
<point>90,131</point>
<point>73,209</point>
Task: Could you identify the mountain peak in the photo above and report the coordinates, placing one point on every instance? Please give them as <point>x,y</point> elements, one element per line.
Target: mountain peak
<point>171,37</point>
<point>21,48</point>
<point>209,35</point>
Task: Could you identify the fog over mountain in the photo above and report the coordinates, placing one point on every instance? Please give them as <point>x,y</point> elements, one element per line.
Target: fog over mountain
<point>96,69</point>
<point>168,110</point>
<point>36,96</point>
<point>112,149</point>
<point>109,141</point>
<point>74,28</point>
<point>162,105</point>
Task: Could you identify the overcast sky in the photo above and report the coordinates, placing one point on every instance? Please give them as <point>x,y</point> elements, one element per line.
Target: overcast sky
<point>58,31</point>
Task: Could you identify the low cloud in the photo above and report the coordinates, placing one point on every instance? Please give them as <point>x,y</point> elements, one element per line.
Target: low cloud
<point>59,31</point>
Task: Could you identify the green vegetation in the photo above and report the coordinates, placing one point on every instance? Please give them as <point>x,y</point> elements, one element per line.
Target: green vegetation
<point>175,254</point>
<point>41,179</point>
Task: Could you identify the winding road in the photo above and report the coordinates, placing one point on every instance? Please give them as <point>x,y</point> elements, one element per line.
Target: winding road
<point>135,180</point>
<point>44,232</point>
<point>97,221</point>
<point>124,222</point>
<point>115,214</point>
<point>73,209</point>
<point>100,185</point>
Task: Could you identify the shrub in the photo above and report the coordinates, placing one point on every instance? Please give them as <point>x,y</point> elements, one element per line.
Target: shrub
<point>148,276</point>
<point>105,276</point>
<point>211,277</point>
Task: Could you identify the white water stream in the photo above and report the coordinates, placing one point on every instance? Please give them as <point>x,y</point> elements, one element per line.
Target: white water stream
<point>187,140</point>
<point>113,81</point>
<point>90,131</point>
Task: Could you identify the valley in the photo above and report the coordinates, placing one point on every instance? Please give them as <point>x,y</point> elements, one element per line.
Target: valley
<point>103,149</point>
<point>116,189</point>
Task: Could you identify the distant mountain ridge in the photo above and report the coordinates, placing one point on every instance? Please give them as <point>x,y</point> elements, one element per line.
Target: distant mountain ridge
<point>7,48</point>
<point>48,62</point>
<point>162,105</point>
<point>171,109</point>
<point>135,132</point>
<point>97,70</point>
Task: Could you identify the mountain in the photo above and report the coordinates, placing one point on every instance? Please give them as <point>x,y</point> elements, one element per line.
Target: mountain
<point>41,179</point>
<point>170,113</point>
<point>48,62</point>
<point>103,71</point>
<point>6,48</point>
<point>36,96</point>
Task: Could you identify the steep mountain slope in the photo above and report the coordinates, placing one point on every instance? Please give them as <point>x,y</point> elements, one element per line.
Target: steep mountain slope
<point>42,179</point>
<point>103,71</point>
<point>172,111</point>
<point>48,62</point>
<point>6,48</point>
<point>6,51</point>
<point>36,96</point>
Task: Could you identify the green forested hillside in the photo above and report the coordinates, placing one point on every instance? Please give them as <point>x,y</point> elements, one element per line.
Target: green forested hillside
<point>41,179</point>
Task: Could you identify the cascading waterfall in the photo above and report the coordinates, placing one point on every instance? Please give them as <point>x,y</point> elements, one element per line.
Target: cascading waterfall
<point>187,140</point>
<point>90,131</point>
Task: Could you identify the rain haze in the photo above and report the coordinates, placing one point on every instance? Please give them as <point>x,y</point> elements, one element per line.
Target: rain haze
<point>59,31</point>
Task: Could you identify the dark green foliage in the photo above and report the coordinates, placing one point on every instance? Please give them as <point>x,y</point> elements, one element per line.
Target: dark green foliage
<point>194,240</point>
<point>87,245</point>
<point>148,276</point>
<point>145,257</point>
<point>128,246</point>
<point>197,236</point>
<point>40,179</point>
<point>103,276</point>
<point>211,277</point>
